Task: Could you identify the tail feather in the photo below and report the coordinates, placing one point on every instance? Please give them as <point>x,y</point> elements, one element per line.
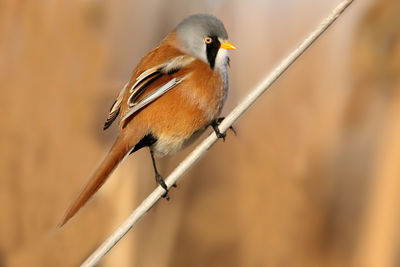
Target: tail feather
<point>117,153</point>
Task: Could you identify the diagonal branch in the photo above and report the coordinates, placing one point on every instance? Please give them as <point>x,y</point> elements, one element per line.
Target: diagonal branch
<point>200,150</point>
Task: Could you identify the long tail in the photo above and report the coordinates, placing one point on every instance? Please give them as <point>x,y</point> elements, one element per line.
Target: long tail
<point>121,147</point>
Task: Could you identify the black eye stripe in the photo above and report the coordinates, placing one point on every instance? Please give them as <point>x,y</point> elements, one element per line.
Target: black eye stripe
<point>212,51</point>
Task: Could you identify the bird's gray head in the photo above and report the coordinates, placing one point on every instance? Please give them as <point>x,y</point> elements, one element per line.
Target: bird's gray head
<point>204,36</point>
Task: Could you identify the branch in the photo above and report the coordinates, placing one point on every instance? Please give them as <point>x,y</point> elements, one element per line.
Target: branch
<point>199,151</point>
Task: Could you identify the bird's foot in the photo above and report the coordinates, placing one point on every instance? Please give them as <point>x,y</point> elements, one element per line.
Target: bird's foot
<point>215,125</point>
<point>161,182</point>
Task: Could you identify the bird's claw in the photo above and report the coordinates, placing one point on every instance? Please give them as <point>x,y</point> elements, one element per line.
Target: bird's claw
<point>215,125</point>
<point>161,182</point>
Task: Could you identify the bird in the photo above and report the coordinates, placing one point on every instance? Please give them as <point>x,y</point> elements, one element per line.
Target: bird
<point>175,92</point>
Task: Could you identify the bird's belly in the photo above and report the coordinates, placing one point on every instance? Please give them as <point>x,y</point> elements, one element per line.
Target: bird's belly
<point>175,126</point>
<point>173,143</point>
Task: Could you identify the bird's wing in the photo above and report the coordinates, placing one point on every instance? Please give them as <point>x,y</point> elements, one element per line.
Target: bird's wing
<point>142,83</point>
<point>135,106</point>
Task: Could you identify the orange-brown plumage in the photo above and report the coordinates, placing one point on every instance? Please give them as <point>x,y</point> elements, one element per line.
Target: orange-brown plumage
<point>199,85</point>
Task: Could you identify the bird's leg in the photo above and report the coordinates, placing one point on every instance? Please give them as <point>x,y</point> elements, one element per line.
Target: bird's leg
<point>215,125</point>
<point>159,178</point>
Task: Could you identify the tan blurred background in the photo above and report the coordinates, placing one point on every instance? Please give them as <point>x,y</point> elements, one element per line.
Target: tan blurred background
<point>312,179</point>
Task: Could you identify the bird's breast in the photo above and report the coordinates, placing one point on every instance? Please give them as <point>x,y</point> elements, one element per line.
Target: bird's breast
<point>204,90</point>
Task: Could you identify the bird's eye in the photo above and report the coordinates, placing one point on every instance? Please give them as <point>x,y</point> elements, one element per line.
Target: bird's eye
<point>208,40</point>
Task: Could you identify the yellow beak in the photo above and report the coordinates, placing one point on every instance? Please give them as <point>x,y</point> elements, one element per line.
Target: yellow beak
<point>227,45</point>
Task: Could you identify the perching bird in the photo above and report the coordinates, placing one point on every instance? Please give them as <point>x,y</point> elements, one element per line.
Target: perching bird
<point>176,91</point>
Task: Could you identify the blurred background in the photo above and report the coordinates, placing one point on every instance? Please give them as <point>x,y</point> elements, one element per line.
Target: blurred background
<point>311,179</point>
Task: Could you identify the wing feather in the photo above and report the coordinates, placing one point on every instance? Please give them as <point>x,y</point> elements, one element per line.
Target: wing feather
<point>149,76</point>
<point>153,96</point>
<point>115,108</point>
